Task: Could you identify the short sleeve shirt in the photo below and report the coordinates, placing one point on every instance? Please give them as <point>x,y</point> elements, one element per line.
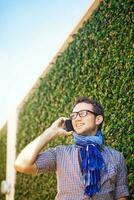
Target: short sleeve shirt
<point>64,161</point>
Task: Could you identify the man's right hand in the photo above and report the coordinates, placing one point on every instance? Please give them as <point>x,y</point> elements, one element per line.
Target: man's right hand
<point>58,127</point>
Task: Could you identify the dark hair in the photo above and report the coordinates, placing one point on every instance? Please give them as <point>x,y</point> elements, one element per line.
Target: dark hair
<point>97,107</point>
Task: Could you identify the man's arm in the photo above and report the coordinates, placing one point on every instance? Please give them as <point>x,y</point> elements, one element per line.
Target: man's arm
<point>123,198</point>
<point>25,161</point>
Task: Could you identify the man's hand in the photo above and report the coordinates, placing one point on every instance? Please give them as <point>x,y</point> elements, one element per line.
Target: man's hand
<point>58,127</point>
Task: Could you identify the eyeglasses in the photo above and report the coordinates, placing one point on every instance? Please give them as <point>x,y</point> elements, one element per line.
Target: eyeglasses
<point>81,113</point>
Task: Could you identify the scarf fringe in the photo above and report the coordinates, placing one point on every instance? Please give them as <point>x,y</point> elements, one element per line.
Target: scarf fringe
<point>91,166</point>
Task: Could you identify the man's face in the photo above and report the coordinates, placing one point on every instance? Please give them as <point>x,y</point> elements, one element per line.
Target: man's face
<point>85,125</point>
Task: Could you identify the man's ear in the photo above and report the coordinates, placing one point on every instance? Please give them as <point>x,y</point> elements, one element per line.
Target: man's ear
<point>99,119</point>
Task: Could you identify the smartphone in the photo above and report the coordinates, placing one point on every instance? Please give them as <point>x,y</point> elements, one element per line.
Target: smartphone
<point>68,125</point>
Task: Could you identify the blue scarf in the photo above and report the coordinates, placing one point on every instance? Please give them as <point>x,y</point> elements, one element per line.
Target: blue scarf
<point>91,160</point>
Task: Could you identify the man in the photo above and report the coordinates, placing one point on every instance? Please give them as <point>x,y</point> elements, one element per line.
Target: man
<point>86,170</point>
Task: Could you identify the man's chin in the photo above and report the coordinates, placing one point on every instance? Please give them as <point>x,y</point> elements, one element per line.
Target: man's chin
<point>82,133</point>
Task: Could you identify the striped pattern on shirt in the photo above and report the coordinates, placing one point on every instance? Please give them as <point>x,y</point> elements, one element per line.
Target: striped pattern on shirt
<point>64,160</point>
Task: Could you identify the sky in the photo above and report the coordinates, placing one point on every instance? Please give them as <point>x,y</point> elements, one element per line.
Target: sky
<point>31,33</point>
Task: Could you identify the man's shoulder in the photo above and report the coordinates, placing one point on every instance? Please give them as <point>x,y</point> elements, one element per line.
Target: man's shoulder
<point>113,153</point>
<point>111,150</point>
<point>68,147</point>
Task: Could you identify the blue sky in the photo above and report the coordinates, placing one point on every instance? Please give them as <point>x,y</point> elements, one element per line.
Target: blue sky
<point>31,33</point>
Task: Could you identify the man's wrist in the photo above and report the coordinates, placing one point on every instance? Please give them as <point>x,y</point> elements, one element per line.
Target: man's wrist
<point>50,133</point>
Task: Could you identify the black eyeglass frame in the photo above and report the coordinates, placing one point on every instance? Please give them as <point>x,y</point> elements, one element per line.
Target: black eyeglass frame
<point>77,113</point>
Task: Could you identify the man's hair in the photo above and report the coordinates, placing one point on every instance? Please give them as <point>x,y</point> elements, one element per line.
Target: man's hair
<point>97,107</point>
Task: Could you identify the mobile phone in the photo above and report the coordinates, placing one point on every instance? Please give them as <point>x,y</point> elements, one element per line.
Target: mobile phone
<point>68,125</point>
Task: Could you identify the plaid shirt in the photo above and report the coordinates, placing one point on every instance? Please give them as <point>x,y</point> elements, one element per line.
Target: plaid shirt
<point>64,160</point>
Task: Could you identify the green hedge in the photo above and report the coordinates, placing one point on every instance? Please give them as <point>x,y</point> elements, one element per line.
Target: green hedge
<point>3,141</point>
<point>98,63</point>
